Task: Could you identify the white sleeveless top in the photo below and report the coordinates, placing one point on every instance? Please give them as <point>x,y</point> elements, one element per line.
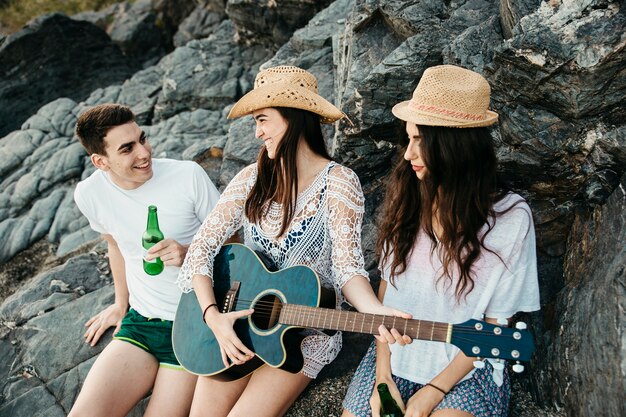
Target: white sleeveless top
<point>324,234</point>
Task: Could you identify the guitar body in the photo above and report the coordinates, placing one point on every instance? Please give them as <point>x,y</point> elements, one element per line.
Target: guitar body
<point>275,344</point>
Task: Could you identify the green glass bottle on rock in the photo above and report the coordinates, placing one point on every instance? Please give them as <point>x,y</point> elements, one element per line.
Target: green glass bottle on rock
<point>388,406</point>
<point>150,237</point>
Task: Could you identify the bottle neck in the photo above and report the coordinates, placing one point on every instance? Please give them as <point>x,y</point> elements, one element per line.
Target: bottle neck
<point>388,405</point>
<point>153,220</point>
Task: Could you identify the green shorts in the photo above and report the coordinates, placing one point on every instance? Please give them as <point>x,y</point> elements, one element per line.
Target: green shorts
<point>152,335</point>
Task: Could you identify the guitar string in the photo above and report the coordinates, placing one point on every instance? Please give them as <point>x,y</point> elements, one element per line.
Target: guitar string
<point>267,311</point>
<point>459,337</point>
<point>267,307</point>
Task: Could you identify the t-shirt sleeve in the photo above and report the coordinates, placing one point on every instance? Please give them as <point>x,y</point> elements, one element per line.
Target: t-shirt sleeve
<point>86,206</point>
<point>518,288</point>
<point>205,191</point>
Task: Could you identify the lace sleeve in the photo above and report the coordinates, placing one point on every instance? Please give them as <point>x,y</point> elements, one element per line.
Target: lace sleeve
<point>345,211</point>
<point>223,221</point>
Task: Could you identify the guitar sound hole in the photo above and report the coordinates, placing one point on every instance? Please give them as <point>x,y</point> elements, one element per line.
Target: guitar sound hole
<point>266,312</point>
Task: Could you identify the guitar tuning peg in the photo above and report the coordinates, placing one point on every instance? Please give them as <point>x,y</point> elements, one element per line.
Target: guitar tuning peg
<point>518,367</point>
<point>478,364</point>
<point>520,325</point>
<point>498,365</point>
<point>503,321</point>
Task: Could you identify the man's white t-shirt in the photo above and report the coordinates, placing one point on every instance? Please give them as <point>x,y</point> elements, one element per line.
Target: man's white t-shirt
<point>501,289</point>
<point>184,196</point>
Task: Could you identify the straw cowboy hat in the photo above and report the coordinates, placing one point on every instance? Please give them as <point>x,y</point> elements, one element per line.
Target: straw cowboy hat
<point>451,96</point>
<point>286,86</point>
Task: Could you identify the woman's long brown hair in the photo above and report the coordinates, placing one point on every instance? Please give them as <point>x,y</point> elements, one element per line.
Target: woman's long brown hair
<point>277,179</point>
<point>461,183</point>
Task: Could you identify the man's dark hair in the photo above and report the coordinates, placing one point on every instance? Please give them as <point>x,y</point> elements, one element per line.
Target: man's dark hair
<point>94,124</point>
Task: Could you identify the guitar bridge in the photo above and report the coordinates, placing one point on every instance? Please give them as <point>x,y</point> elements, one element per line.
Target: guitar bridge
<point>231,297</point>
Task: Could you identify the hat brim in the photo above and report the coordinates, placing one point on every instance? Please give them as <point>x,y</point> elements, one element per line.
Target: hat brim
<point>285,95</point>
<point>403,112</point>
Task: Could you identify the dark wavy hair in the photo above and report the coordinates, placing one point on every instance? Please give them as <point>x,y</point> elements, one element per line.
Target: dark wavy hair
<point>277,178</point>
<point>461,183</point>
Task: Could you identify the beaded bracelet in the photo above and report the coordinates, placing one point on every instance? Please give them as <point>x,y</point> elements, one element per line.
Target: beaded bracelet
<point>437,388</point>
<point>205,310</point>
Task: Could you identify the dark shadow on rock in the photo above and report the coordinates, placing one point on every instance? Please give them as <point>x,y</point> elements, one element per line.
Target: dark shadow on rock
<point>33,71</point>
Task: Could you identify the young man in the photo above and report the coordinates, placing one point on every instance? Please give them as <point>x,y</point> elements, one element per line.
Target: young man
<point>115,200</point>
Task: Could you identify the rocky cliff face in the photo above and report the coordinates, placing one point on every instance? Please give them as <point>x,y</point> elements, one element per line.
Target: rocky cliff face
<point>558,75</point>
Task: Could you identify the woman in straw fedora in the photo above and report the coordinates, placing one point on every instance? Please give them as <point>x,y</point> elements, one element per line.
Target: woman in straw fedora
<point>454,245</point>
<point>298,207</point>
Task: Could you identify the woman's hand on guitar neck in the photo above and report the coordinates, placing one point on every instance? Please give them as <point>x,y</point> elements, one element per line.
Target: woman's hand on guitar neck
<point>385,335</point>
<point>391,336</point>
<point>231,347</point>
<point>359,293</point>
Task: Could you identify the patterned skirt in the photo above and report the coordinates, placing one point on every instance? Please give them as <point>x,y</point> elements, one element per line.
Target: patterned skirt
<point>478,395</point>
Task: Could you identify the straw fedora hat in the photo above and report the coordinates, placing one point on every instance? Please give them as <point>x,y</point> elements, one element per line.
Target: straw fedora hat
<point>451,96</point>
<point>286,86</point>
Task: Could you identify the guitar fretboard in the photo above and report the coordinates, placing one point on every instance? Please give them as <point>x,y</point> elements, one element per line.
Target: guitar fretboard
<point>352,321</point>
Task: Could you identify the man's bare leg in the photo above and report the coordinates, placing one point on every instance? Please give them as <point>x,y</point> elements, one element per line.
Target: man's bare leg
<point>121,376</point>
<point>172,393</point>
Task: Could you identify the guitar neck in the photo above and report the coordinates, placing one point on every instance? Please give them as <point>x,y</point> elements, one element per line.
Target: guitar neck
<point>352,321</point>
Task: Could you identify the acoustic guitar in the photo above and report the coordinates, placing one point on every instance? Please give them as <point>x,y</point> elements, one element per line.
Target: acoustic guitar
<point>291,299</point>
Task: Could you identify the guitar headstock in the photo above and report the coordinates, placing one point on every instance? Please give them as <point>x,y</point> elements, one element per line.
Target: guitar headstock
<point>485,340</point>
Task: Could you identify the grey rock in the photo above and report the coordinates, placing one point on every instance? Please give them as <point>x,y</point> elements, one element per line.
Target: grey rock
<point>531,73</point>
<point>57,285</point>
<point>66,386</point>
<point>37,402</point>
<point>171,137</point>
<point>79,271</point>
<point>140,93</point>
<point>75,240</point>
<point>67,220</point>
<point>591,308</point>
<point>105,17</point>
<point>56,118</point>
<point>201,22</point>
<point>511,11</point>
<point>53,342</point>
<point>139,33</point>
<point>48,345</point>
<point>271,22</point>
<point>22,381</point>
<point>40,307</point>
<point>475,46</point>
<point>543,40</point>
<point>107,94</point>
<point>15,147</point>
<point>242,145</point>
<point>89,60</point>
<point>207,73</point>
<point>17,234</point>
<point>209,156</point>
<point>173,12</point>
<point>7,353</point>
<point>142,29</point>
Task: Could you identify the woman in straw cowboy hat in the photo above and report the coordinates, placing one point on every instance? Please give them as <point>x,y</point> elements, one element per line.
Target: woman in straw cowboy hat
<point>454,246</point>
<point>298,207</point>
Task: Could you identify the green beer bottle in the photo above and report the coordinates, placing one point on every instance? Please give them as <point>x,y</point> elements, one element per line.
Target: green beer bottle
<point>388,406</point>
<point>150,237</point>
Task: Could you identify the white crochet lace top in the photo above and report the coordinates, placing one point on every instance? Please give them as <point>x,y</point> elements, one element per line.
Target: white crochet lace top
<point>324,234</point>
